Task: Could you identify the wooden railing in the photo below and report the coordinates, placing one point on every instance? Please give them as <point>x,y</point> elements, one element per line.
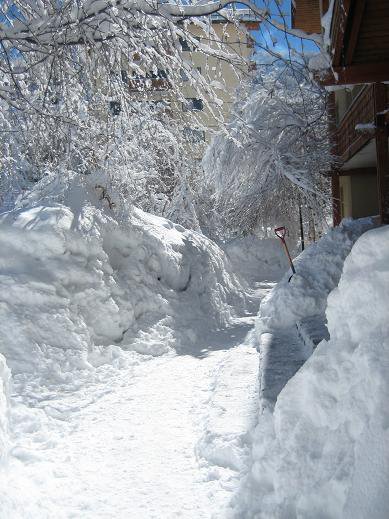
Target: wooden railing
<point>361,111</point>
<point>337,29</point>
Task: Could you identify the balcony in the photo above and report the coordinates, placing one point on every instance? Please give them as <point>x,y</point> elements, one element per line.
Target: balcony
<point>148,85</point>
<point>350,140</point>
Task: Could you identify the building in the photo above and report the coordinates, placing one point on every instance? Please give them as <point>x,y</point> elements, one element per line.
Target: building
<point>357,36</point>
<point>229,29</point>
<point>238,41</point>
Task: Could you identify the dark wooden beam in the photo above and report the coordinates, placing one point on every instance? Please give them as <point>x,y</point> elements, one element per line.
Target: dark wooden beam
<point>336,202</point>
<point>339,21</point>
<point>356,74</point>
<point>381,139</point>
<point>335,185</point>
<point>352,38</point>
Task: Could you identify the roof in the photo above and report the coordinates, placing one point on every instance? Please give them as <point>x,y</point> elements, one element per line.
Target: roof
<point>242,14</point>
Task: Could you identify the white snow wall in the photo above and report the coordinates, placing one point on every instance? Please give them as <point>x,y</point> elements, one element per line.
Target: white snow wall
<point>78,285</point>
<point>4,383</point>
<point>325,450</point>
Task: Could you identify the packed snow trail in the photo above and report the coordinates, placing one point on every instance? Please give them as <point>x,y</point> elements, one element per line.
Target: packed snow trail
<point>162,438</point>
<point>132,387</point>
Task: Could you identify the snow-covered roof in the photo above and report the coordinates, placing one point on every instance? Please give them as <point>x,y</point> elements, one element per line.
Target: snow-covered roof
<point>243,15</point>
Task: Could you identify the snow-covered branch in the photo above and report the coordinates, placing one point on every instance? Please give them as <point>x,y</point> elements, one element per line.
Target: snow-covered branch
<point>275,156</point>
<point>101,20</point>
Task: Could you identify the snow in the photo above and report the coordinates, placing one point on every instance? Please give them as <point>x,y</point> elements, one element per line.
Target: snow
<point>163,440</point>
<point>257,258</point>
<point>370,127</point>
<point>133,389</point>
<point>324,450</point>
<point>318,270</point>
<point>130,381</point>
<point>319,62</point>
<point>4,399</point>
<point>326,21</point>
<point>77,284</point>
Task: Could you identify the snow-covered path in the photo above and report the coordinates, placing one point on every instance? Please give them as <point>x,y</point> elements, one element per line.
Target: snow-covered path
<point>162,438</point>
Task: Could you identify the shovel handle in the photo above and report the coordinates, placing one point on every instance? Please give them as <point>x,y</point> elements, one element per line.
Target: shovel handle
<point>280,232</point>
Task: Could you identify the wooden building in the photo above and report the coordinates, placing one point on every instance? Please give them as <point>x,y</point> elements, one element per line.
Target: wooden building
<point>357,32</point>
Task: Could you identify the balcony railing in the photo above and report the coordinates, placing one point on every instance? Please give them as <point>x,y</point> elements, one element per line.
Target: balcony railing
<point>149,84</point>
<point>339,17</point>
<point>349,140</point>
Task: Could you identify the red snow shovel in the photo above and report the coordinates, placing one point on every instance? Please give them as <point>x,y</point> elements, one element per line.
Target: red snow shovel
<point>280,232</point>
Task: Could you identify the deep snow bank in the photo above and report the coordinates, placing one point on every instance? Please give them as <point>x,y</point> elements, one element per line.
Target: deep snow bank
<point>78,285</point>
<point>318,271</point>
<point>291,318</point>
<point>4,382</point>
<point>325,450</point>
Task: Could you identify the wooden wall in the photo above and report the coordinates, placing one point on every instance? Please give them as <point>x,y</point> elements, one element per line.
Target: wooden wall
<point>306,15</point>
<point>373,38</point>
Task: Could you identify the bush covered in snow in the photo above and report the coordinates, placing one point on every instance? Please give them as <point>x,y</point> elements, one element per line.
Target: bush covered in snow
<point>325,450</point>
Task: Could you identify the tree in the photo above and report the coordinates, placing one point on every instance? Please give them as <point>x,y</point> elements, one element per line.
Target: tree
<point>144,34</point>
<point>133,151</point>
<point>64,84</point>
<point>274,159</point>
<point>77,95</point>
<point>86,104</point>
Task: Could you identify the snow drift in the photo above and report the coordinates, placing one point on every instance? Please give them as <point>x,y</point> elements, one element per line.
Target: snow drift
<point>79,285</point>
<point>318,271</point>
<point>325,450</point>
<point>257,259</point>
<point>4,402</point>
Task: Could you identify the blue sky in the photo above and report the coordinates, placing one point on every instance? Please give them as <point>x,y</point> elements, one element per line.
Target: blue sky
<point>276,39</point>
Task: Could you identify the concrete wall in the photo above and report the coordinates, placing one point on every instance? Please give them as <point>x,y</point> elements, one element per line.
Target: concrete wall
<point>345,197</point>
<point>364,195</point>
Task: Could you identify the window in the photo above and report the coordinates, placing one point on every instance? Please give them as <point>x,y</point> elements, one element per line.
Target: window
<point>184,74</point>
<point>152,80</point>
<point>193,105</point>
<point>160,74</point>
<point>186,45</point>
<point>115,107</point>
<point>124,75</point>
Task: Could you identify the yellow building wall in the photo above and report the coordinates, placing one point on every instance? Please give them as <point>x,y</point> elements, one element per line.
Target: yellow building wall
<point>215,70</point>
<point>223,75</point>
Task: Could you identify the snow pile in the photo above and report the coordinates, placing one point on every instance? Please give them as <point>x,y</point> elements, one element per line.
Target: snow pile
<point>4,381</point>
<point>318,271</point>
<point>325,450</point>
<point>256,258</point>
<point>79,285</point>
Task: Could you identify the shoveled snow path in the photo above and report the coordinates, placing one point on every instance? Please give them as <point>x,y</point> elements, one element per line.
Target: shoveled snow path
<point>163,438</point>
